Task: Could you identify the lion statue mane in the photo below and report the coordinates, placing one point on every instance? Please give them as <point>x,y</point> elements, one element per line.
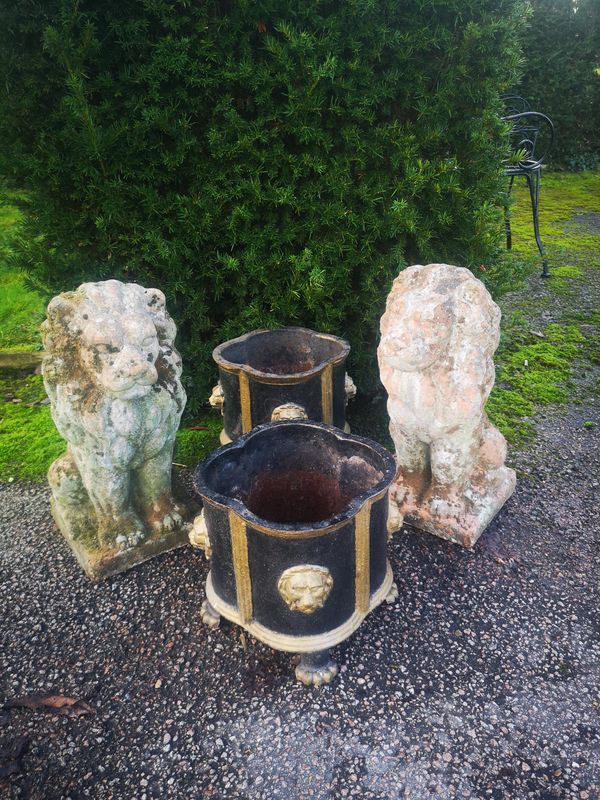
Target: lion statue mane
<point>112,374</point>
<point>438,337</point>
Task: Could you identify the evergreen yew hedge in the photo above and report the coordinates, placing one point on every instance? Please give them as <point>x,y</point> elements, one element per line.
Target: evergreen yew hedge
<point>562,79</point>
<point>263,162</point>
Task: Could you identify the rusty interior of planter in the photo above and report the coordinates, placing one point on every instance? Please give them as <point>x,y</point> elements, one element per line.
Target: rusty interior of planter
<point>290,477</point>
<point>287,351</point>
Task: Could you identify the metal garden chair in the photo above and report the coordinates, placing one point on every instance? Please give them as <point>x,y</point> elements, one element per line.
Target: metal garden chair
<point>532,138</point>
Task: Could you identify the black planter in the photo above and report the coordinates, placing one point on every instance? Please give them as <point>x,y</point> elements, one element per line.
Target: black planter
<point>281,374</point>
<point>296,529</point>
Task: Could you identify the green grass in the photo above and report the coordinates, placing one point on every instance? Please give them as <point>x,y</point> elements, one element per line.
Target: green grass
<point>21,309</point>
<point>29,442</point>
<point>21,312</point>
<point>534,371</point>
<point>563,195</point>
<point>194,445</point>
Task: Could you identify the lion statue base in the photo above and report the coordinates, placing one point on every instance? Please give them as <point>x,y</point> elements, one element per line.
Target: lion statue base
<point>112,375</point>
<point>438,337</point>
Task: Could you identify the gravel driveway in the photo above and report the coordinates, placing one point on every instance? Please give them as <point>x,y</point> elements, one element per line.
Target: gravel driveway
<point>481,681</point>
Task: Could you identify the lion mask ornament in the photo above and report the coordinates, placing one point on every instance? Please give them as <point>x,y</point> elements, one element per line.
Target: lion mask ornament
<point>305,588</point>
<point>113,378</point>
<point>438,337</point>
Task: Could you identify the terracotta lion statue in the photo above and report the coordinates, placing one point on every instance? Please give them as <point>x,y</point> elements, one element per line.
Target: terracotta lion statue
<point>438,337</point>
<point>112,374</point>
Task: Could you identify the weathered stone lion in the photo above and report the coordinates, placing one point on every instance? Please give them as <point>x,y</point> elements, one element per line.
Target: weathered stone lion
<point>438,336</point>
<point>113,378</point>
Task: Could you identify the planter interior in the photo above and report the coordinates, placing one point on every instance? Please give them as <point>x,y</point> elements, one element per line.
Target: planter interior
<point>295,475</point>
<point>280,352</point>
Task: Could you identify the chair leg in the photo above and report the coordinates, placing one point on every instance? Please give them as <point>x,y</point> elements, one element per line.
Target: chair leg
<point>533,181</point>
<point>507,217</point>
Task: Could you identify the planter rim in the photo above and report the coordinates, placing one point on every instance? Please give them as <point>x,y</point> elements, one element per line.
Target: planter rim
<point>311,529</point>
<point>295,377</point>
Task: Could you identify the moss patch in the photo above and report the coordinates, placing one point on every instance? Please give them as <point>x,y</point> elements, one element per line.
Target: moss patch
<point>540,363</point>
<point>539,372</point>
<point>511,413</point>
<point>28,389</point>
<point>563,277</point>
<point>563,196</point>
<point>193,445</point>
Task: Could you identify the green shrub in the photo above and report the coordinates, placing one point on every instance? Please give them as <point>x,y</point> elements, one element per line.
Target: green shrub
<point>562,53</point>
<point>264,163</point>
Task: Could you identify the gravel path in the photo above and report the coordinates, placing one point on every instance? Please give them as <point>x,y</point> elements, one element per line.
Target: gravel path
<point>482,680</point>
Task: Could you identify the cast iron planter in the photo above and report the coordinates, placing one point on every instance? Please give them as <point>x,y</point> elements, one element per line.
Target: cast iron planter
<point>295,524</point>
<point>287,373</point>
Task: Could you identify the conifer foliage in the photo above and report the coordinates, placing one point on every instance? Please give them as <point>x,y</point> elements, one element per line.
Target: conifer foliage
<point>263,162</point>
<point>562,75</point>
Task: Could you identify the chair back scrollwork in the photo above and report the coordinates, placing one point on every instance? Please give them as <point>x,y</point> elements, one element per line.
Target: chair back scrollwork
<point>531,138</point>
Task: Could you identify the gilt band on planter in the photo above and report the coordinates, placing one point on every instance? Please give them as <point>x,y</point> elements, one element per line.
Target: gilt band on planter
<point>287,373</point>
<point>295,518</point>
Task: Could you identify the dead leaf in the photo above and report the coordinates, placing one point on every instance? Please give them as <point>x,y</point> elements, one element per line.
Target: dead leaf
<point>158,684</point>
<point>261,26</point>
<point>56,703</point>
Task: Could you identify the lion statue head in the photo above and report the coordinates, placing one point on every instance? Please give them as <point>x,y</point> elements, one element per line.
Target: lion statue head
<point>113,338</point>
<point>440,324</point>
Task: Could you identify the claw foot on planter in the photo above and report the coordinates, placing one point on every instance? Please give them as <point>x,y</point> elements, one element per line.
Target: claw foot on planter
<point>316,669</point>
<point>209,616</point>
<point>217,398</point>
<point>395,518</point>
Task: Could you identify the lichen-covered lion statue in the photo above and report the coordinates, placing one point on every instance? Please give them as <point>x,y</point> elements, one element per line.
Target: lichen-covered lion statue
<point>112,374</point>
<point>438,337</point>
